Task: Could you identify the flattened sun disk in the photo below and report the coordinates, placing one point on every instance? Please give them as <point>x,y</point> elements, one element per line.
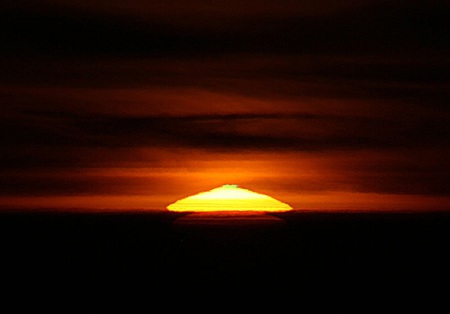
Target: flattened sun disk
<point>228,197</point>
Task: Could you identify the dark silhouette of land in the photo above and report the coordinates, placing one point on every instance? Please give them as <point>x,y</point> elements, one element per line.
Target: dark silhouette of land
<point>281,253</point>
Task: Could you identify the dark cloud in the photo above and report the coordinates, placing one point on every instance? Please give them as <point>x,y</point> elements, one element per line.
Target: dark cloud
<point>279,131</point>
<point>73,184</point>
<point>112,72</point>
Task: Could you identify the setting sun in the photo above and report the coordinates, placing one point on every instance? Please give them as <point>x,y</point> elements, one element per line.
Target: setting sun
<point>228,197</point>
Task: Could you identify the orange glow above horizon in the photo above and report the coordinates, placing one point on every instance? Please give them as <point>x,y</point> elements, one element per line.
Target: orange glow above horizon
<point>228,198</point>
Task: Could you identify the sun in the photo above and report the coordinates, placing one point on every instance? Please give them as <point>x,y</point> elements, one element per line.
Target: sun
<point>229,197</point>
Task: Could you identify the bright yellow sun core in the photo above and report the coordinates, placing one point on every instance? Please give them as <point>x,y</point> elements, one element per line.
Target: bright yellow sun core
<point>228,197</point>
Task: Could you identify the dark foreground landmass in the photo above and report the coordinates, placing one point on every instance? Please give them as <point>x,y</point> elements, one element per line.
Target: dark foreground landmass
<point>287,253</point>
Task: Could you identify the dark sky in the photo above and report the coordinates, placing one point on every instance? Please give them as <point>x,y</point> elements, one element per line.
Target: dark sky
<point>134,104</point>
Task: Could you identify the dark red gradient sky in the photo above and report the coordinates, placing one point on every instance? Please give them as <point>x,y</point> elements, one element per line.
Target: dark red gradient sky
<point>134,104</point>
